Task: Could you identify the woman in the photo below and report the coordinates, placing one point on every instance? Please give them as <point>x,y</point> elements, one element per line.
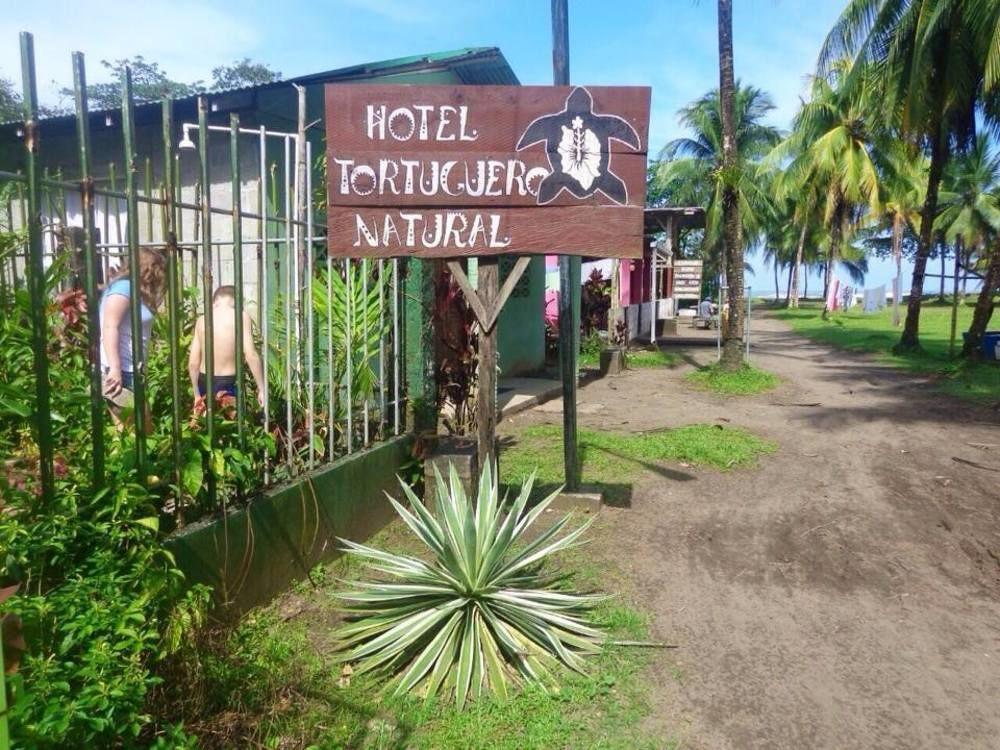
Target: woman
<point>116,323</point>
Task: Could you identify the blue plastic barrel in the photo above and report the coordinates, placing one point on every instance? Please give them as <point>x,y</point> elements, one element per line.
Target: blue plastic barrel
<point>991,345</point>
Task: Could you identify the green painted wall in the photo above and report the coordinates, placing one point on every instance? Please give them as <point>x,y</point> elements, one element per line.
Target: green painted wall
<point>521,327</point>
<point>253,554</point>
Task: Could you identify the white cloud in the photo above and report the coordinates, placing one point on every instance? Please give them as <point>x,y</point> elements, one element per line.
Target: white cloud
<point>187,38</point>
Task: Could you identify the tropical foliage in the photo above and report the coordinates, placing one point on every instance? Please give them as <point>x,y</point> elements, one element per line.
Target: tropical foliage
<point>890,154</point>
<point>480,615</point>
<point>100,599</point>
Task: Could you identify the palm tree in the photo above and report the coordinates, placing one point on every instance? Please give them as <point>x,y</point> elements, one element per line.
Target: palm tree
<point>903,173</point>
<point>830,150</point>
<point>931,59</point>
<point>729,176</point>
<point>688,168</point>
<point>970,217</point>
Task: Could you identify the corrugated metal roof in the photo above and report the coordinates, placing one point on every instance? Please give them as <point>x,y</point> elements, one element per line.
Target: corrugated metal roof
<point>473,65</point>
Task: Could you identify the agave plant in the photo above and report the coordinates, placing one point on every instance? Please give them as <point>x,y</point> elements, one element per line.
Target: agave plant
<point>479,616</point>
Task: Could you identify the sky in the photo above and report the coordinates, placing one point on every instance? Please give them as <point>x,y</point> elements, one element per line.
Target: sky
<point>670,45</point>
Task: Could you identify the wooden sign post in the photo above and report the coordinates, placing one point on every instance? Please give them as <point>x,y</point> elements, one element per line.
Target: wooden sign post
<point>452,171</point>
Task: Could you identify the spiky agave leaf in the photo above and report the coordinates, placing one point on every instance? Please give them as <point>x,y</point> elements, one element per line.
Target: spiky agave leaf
<point>478,616</point>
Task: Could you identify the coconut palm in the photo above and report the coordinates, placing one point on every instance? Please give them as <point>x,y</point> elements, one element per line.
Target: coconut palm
<point>687,170</point>
<point>935,61</point>
<point>830,148</point>
<point>970,217</point>
<point>903,173</point>
<point>730,177</point>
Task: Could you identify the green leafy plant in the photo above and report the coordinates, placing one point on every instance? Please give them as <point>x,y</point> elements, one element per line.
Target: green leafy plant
<point>481,615</point>
<point>355,317</point>
<point>100,599</point>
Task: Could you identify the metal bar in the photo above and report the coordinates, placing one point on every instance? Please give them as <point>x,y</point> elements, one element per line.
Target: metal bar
<point>173,295</point>
<point>148,185</point>
<point>718,330</point>
<point>395,345</point>
<point>90,271</point>
<point>105,236</point>
<point>364,341</point>
<point>381,347</point>
<point>208,286</point>
<point>263,303</point>
<point>36,271</point>
<point>348,351</point>
<point>135,289</point>
<point>114,193</point>
<point>234,159</point>
<point>652,296</point>
<point>310,347</point>
<point>118,205</point>
<point>748,325</point>
<point>287,265</point>
<point>179,214</point>
<point>331,387</point>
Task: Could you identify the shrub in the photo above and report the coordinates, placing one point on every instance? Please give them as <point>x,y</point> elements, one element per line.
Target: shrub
<point>480,614</point>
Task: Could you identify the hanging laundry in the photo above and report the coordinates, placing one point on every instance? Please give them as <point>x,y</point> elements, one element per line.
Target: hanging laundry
<point>832,300</point>
<point>874,299</point>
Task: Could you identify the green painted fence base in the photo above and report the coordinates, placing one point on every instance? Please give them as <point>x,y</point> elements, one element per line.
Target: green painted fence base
<point>253,554</point>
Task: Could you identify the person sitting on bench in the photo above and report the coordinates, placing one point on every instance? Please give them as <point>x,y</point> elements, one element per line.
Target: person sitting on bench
<point>224,349</point>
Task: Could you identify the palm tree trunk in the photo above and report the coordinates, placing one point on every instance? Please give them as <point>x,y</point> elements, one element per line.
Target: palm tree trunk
<point>984,306</point>
<point>777,289</point>
<point>831,259</point>
<point>799,249</point>
<point>954,298</point>
<point>910,339</point>
<point>732,337</point>
<point>897,254</point>
<point>805,284</point>
<point>788,288</point>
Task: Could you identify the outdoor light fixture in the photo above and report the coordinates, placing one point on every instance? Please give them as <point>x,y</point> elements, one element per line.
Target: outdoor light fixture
<point>108,122</point>
<point>20,132</point>
<point>186,142</point>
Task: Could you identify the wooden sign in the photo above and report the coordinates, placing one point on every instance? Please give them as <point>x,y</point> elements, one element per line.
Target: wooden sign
<point>687,279</point>
<point>446,171</point>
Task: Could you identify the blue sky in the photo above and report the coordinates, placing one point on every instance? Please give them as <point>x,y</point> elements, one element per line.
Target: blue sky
<point>667,44</point>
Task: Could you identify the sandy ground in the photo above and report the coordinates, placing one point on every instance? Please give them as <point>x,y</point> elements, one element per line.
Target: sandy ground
<point>845,593</point>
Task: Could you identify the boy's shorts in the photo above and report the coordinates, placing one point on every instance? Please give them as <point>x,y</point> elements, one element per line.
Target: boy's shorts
<point>220,383</point>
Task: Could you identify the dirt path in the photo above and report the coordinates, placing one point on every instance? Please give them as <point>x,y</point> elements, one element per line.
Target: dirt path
<point>845,594</point>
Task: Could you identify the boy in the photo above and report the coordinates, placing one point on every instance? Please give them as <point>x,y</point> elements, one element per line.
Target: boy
<point>224,348</point>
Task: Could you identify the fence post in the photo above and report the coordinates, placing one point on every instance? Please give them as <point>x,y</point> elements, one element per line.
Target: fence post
<point>234,156</point>
<point>207,285</point>
<point>170,185</point>
<point>90,269</point>
<point>36,269</point>
<point>135,289</point>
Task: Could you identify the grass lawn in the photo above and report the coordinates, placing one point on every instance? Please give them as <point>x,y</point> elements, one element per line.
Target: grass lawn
<point>273,682</point>
<point>636,358</point>
<point>611,461</point>
<point>746,381</point>
<point>874,332</point>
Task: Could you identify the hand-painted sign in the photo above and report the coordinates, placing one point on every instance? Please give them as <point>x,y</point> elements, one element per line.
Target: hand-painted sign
<point>687,279</point>
<point>444,171</point>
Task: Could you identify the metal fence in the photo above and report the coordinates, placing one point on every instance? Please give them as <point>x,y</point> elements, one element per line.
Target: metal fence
<point>329,330</point>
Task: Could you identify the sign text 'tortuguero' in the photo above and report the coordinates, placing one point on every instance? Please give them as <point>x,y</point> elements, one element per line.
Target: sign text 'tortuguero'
<point>445,171</point>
